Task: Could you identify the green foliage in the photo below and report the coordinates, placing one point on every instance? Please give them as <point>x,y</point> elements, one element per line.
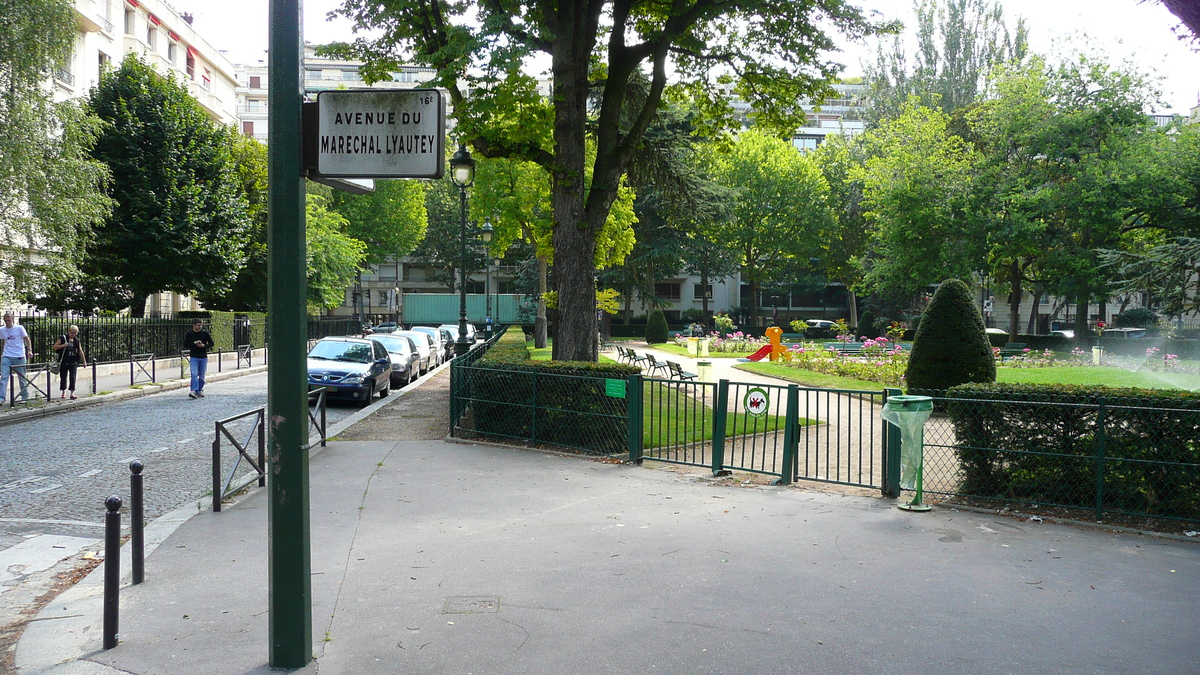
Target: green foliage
<point>333,257</point>
<point>1010,447</point>
<point>179,219</point>
<point>53,192</point>
<point>390,221</point>
<point>249,289</point>
<point>1138,317</point>
<point>951,346</point>
<point>866,325</point>
<point>656,328</point>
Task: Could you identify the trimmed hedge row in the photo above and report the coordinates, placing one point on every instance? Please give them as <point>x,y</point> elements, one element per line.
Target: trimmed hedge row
<point>1124,449</point>
<point>560,403</point>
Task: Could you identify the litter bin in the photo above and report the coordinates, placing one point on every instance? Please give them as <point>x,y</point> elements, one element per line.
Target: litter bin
<point>704,370</point>
<point>693,346</point>
<point>704,346</point>
<point>909,413</point>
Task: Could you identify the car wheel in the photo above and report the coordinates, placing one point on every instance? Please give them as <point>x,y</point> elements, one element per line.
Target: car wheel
<point>370,395</point>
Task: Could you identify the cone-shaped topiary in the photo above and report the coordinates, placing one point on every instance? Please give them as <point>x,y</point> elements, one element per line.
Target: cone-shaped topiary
<point>866,325</point>
<point>951,346</point>
<point>656,328</point>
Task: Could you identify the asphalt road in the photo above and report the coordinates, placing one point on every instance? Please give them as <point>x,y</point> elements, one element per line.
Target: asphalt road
<point>56,472</point>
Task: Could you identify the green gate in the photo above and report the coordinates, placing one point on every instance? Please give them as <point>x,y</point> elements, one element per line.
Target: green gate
<point>793,432</point>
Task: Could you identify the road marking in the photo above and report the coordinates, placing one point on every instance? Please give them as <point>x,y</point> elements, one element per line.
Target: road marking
<point>45,489</point>
<point>127,460</point>
<point>186,440</point>
<point>159,449</point>
<point>89,474</point>
<point>18,483</point>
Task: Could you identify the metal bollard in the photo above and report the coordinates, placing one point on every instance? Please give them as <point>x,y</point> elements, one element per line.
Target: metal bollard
<point>112,570</point>
<point>136,523</point>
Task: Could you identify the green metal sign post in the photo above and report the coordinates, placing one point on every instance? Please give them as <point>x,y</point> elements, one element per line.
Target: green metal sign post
<point>288,555</point>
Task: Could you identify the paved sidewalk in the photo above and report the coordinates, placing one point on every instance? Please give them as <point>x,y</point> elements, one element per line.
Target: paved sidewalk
<point>439,557</point>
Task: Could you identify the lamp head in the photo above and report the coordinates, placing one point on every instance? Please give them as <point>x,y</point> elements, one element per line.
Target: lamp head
<point>486,232</point>
<point>462,167</point>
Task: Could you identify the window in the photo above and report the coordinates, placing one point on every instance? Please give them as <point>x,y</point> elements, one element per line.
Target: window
<point>248,129</point>
<point>475,287</point>
<point>667,291</point>
<point>255,82</point>
<point>191,65</point>
<point>104,62</point>
<point>387,272</point>
<point>506,286</point>
<point>129,18</point>
<point>172,51</point>
<point>698,294</point>
<point>151,35</point>
<point>207,81</point>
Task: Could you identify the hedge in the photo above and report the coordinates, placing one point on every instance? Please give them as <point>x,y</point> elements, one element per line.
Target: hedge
<point>560,403</point>
<point>1045,444</point>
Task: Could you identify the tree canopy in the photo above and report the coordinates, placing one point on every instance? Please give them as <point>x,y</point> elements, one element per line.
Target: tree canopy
<point>771,51</point>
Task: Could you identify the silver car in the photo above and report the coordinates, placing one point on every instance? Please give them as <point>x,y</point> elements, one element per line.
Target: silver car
<point>404,356</point>
<point>424,349</point>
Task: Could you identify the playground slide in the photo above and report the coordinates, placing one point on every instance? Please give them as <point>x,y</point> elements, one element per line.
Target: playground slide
<point>760,354</point>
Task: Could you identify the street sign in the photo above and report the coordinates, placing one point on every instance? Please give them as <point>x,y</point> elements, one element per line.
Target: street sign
<point>391,133</point>
<point>614,388</point>
<point>756,402</point>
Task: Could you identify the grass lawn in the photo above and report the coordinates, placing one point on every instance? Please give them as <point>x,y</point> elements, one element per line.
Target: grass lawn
<point>682,420</point>
<point>808,378</point>
<point>1105,375</point>
<point>682,351</point>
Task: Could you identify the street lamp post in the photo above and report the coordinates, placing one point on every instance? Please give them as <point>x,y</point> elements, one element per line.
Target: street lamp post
<point>462,173</point>
<point>486,235</point>
<point>496,266</point>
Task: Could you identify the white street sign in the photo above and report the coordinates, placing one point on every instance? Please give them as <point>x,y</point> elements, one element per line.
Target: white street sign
<point>392,133</point>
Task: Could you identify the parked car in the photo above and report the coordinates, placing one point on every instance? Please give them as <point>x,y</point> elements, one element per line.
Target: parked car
<point>1128,333</point>
<point>404,356</point>
<point>995,331</point>
<point>350,368</point>
<point>442,337</point>
<point>453,328</point>
<point>1069,334</point>
<point>436,353</point>
<point>386,327</point>
<point>424,349</point>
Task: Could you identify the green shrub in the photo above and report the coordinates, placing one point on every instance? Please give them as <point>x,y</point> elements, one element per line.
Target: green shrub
<point>656,328</point>
<point>951,345</point>
<point>866,325</point>
<point>1042,443</point>
<point>1138,317</point>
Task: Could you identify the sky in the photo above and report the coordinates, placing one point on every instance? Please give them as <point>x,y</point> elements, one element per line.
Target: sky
<point>1140,32</point>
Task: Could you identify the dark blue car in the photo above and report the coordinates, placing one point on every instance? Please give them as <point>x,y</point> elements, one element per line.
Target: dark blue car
<point>349,368</point>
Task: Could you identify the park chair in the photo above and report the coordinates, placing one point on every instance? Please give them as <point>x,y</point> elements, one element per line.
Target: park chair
<point>656,365</point>
<point>678,371</point>
<point>634,359</point>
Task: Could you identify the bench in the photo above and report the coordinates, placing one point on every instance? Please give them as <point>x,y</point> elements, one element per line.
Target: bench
<point>855,348</point>
<point>678,371</point>
<point>606,345</point>
<point>654,365</point>
<point>1012,349</point>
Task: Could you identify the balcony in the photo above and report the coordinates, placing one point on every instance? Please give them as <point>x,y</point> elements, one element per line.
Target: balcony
<point>65,77</point>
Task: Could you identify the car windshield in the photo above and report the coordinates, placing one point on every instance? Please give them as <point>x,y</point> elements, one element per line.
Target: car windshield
<point>417,337</point>
<point>395,345</point>
<point>337,350</point>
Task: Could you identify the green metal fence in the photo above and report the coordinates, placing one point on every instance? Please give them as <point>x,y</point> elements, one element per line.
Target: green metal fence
<point>1122,456</point>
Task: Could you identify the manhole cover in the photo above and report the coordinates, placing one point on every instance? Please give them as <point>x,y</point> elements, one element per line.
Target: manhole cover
<point>472,604</point>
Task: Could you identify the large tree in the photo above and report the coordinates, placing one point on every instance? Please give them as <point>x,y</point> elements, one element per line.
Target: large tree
<point>179,219</point>
<point>390,220</point>
<point>780,207</point>
<point>598,49</point>
<point>52,191</point>
<point>958,43</point>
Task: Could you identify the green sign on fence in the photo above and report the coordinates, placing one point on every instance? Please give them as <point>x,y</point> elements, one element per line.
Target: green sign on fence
<point>614,388</point>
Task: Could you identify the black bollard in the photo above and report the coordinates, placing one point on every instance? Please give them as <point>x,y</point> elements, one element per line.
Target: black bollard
<point>112,570</point>
<point>136,534</point>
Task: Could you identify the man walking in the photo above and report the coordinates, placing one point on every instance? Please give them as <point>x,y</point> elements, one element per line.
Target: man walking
<point>17,349</point>
<point>198,342</point>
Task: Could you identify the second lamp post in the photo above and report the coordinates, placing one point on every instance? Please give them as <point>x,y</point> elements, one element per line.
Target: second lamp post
<point>462,173</point>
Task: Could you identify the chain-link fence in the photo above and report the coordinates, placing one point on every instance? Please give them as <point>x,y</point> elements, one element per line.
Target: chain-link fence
<point>1130,456</point>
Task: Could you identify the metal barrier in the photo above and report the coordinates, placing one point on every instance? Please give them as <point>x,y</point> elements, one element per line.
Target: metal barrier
<point>245,353</point>
<point>256,429</point>
<point>257,432</point>
<point>138,362</point>
<point>27,376</point>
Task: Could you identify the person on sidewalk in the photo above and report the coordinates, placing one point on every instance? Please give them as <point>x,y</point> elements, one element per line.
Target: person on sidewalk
<point>16,351</point>
<point>70,357</point>
<point>198,342</point>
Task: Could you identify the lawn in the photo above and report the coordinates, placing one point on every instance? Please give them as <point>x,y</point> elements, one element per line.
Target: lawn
<point>1084,375</point>
<point>681,419</point>
<point>682,351</point>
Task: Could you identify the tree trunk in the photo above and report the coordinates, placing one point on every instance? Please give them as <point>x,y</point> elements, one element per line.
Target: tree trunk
<point>1081,313</point>
<point>704,300</point>
<point>853,303</point>
<point>1033,313</point>
<point>539,323</point>
<point>138,309</point>
<point>1014,301</point>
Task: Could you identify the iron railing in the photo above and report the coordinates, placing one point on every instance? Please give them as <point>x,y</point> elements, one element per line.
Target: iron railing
<point>1127,456</point>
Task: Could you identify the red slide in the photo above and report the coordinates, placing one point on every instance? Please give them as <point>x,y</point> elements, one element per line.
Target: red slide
<point>760,354</point>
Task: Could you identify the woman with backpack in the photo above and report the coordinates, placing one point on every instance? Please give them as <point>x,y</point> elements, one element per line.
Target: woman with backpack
<point>70,357</point>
